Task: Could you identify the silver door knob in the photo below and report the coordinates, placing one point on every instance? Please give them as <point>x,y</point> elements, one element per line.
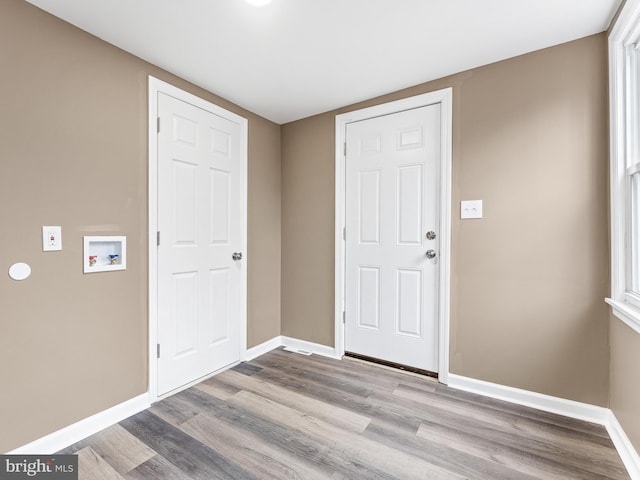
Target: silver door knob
<point>237,256</point>
<point>431,254</point>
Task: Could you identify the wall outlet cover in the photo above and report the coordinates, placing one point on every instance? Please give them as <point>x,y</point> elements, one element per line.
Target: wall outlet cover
<point>51,239</point>
<point>471,209</point>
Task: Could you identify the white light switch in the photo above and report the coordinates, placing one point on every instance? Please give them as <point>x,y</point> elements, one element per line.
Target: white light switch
<point>471,209</point>
<point>51,239</point>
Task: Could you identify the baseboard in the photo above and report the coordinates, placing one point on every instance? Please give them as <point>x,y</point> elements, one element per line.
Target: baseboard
<point>311,347</point>
<point>624,446</point>
<point>561,406</point>
<point>568,408</point>
<point>67,436</point>
<point>61,439</point>
<point>292,344</point>
<point>265,347</point>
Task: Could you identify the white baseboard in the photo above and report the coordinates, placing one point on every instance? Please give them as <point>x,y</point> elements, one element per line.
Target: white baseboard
<point>624,446</point>
<point>67,436</point>
<point>303,345</point>
<point>293,344</point>
<point>265,347</point>
<point>84,428</point>
<point>568,408</point>
<point>561,406</point>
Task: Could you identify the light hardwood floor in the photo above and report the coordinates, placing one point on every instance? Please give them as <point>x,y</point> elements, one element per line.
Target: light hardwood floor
<point>285,416</point>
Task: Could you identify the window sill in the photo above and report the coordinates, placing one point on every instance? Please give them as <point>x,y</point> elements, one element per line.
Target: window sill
<point>625,312</point>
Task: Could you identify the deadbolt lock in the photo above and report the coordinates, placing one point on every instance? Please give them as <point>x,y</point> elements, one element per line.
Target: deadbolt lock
<point>237,256</point>
<point>431,235</point>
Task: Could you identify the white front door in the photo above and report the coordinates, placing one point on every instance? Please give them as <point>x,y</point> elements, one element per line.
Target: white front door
<point>392,182</point>
<point>199,224</point>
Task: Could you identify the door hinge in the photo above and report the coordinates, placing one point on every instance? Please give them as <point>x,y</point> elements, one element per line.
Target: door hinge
<point>344,233</point>
<point>158,238</point>
<point>158,350</point>
<point>158,125</point>
<point>345,149</point>
<point>344,317</point>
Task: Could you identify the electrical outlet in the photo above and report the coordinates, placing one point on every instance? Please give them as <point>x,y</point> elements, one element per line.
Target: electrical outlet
<point>51,239</point>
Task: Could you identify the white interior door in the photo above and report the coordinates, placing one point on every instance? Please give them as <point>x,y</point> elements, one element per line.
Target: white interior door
<point>199,220</point>
<point>392,181</point>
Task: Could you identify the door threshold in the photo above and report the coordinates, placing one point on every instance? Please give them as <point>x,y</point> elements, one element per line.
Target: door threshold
<point>397,366</point>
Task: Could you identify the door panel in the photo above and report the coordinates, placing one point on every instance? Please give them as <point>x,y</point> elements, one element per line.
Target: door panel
<point>184,315</point>
<point>199,203</point>
<point>409,302</point>
<point>220,295</point>
<point>220,206</point>
<point>185,193</point>
<point>409,201</point>
<point>369,188</point>
<point>369,297</point>
<point>391,202</point>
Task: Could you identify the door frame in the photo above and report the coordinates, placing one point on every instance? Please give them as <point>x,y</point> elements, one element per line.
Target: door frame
<point>445,98</point>
<point>157,86</point>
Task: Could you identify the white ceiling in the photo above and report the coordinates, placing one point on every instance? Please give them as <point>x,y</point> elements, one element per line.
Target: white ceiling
<point>295,58</point>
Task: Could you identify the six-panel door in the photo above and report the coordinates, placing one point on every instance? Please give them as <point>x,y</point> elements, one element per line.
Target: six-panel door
<point>391,204</point>
<point>199,223</point>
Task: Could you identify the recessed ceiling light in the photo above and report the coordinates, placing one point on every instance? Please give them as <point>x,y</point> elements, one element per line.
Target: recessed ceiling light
<point>258,3</point>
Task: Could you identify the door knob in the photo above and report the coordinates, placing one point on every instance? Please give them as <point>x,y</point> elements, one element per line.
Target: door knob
<point>431,254</point>
<point>237,256</point>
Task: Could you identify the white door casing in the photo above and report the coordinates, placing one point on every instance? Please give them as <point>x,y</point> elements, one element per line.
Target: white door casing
<point>197,291</point>
<point>392,197</point>
<point>392,302</point>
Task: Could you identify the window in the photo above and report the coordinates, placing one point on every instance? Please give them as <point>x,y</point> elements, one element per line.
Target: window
<point>624,71</point>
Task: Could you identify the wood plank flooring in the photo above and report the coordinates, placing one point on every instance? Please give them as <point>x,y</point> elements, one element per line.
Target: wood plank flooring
<point>289,416</point>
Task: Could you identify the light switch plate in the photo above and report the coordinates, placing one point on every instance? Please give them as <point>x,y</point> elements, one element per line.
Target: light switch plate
<point>471,209</point>
<point>51,239</point>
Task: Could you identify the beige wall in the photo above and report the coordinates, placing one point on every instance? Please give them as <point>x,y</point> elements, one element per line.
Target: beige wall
<point>529,279</point>
<point>73,152</point>
<point>625,379</point>
<point>308,229</point>
<point>264,231</point>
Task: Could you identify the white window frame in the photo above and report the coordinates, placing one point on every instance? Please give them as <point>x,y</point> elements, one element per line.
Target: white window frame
<point>624,85</point>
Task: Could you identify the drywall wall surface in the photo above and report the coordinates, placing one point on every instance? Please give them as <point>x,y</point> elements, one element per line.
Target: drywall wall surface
<point>625,379</point>
<point>264,231</point>
<point>73,152</point>
<point>308,178</point>
<point>529,279</point>
<point>533,273</point>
